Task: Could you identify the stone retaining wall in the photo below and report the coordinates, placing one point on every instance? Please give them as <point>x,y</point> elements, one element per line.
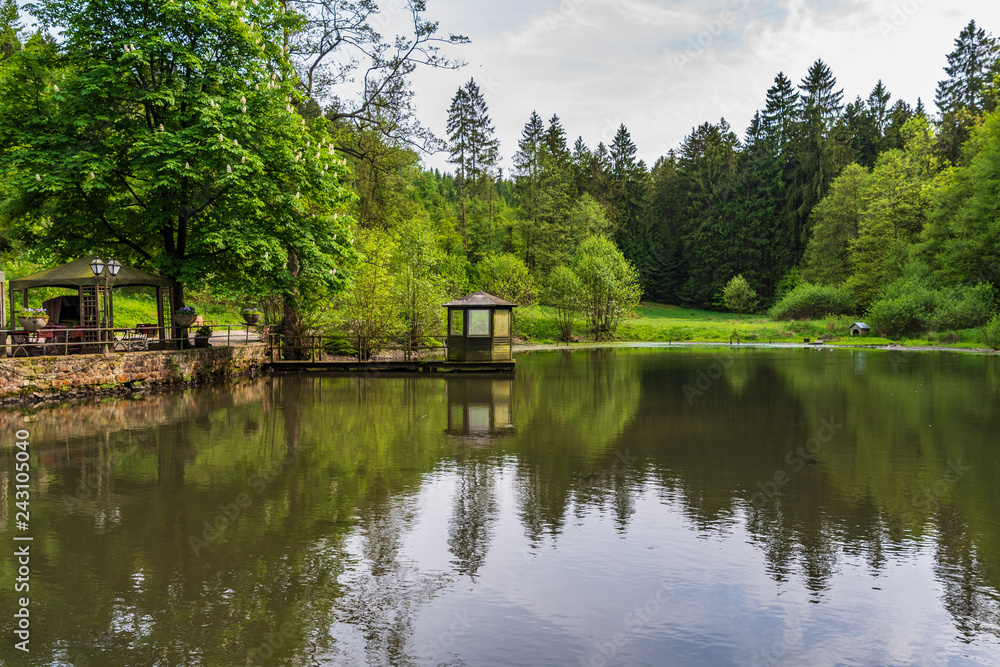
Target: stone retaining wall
<point>37,378</point>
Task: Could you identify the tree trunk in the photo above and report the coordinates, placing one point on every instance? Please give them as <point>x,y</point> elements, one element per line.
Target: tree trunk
<point>177,301</point>
<point>290,327</point>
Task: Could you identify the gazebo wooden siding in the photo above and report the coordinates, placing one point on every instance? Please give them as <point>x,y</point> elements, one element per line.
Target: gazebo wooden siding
<point>480,328</point>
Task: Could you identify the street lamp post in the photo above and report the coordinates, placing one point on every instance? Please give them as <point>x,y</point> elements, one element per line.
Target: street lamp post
<point>113,267</point>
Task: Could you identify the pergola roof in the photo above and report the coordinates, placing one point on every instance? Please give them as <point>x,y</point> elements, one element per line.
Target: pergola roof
<point>78,274</point>
<point>478,299</point>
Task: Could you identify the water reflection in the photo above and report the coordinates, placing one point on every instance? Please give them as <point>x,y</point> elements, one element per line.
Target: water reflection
<point>480,408</point>
<point>298,520</point>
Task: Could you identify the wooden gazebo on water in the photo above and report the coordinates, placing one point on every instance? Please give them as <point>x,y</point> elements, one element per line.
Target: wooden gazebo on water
<point>93,305</point>
<point>480,328</point>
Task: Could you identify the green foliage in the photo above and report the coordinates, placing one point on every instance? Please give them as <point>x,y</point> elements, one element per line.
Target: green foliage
<point>421,283</point>
<point>739,296</point>
<point>788,282</point>
<point>564,292</point>
<point>915,303</point>
<point>610,283</point>
<point>962,307</point>
<point>963,237</point>
<point>809,301</point>
<point>506,276</point>
<point>167,137</point>
<point>991,332</point>
<point>369,308</point>
<point>836,221</point>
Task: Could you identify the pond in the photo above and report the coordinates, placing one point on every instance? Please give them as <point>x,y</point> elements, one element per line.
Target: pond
<point>639,506</point>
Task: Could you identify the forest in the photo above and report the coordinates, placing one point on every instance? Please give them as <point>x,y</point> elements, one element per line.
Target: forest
<point>218,144</point>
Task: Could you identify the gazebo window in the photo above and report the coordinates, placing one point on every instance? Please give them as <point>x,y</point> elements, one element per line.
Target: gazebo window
<point>479,322</point>
<point>501,323</point>
<point>457,317</point>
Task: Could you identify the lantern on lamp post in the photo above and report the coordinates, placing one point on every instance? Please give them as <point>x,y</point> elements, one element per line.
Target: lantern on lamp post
<point>98,266</point>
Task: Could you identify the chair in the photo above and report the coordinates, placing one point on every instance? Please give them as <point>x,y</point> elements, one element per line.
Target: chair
<point>21,343</point>
<point>131,340</point>
<point>52,339</point>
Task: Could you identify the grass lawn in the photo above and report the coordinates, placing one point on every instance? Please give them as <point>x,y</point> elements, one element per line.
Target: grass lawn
<point>654,322</point>
<point>137,304</point>
<point>651,322</point>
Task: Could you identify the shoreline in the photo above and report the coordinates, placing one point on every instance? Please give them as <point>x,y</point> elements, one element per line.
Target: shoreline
<point>533,347</point>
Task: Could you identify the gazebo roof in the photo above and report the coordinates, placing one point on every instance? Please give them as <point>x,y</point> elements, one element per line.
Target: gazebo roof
<point>479,299</point>
<point>78,273</point>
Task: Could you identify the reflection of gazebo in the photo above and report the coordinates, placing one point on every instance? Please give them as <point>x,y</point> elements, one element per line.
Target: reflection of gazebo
<point>479,409</point>
<point>94,299</point>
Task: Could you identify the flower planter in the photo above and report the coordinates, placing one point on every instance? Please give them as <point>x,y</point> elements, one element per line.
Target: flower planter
<point>33,323</point>
<point>200,341</point>
<point>185,320</point>
<point>251,318</point>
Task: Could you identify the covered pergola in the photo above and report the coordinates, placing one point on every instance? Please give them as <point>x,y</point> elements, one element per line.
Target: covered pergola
<point>96,299</point>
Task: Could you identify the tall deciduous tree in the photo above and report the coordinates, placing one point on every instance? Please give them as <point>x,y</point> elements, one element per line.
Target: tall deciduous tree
<point>963,237</point>
<point>362,76</point>
<point>166,136</point>
<point>837,221</point>
<point>9,28</point>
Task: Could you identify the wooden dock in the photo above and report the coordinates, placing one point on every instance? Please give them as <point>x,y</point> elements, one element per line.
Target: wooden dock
<point>403,367</point>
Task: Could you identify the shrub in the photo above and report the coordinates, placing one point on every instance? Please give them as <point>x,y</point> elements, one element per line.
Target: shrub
<point>788,282</point>
<point>563,291</point>
<point>893,318</point>
<point>610,285</point>
<point>991,332</point>
<point>808,301</point>
<point>739,296</point>
<point>913,305</point>
<point>962,307</point>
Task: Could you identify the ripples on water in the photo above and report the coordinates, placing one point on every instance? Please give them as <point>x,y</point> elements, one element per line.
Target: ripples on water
<point>637,507</point>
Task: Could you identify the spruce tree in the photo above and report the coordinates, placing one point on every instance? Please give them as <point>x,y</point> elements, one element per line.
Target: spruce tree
<point>474,149</point>
<point>965,95</point>
<point>823,147</point>
<point>528,172</point>
<point>629,185</point>
<point>781,114</point>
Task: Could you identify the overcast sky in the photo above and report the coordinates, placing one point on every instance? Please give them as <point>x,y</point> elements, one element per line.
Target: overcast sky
<point>665,66</point>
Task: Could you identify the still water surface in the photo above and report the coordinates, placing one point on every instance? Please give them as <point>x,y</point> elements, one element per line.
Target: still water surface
<point>652,506</point>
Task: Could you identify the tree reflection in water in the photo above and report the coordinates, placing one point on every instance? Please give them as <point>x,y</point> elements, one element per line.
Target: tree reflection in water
<point>366,500</point>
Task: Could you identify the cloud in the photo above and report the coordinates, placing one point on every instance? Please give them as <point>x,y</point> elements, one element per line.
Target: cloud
<point>664,67</point>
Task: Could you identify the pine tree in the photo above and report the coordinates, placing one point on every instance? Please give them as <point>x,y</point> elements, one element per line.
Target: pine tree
<point>664,273</point>
<point>964,95</point>
<point>969,70</point>
<point>474,149</point>
<point>629,185</point>
<point>555,141</point>
<point>780,117</point>
<point>528,173</point>
<point>707,160</point>
<point>823,146</point>
<point>459,130</point>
